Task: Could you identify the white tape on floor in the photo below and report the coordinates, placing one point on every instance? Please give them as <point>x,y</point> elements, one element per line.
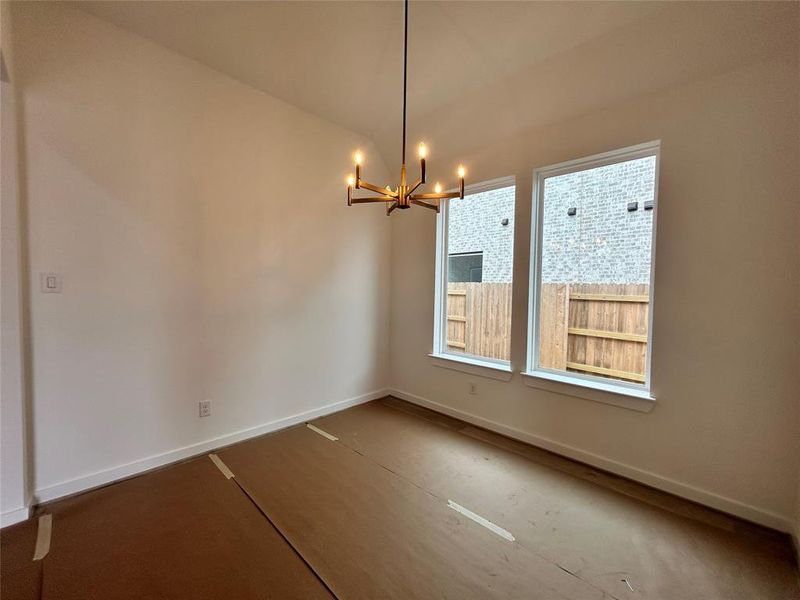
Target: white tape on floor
<point>481,521</point>
<point>332,438</point>
<point>43,537</point>
<point>221,466</point>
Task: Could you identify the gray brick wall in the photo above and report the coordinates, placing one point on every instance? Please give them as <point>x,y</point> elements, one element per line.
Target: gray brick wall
<point>603,242</point>
<point>475,225</point>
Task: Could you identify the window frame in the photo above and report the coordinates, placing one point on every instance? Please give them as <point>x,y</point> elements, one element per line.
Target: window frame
<point>583,384</point>
<point>476,365</point>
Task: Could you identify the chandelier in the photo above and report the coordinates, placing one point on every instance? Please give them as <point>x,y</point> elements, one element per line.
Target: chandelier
<point>403,195</point>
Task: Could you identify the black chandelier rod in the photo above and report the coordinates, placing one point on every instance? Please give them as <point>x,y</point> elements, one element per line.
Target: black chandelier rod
<point>405,78</point>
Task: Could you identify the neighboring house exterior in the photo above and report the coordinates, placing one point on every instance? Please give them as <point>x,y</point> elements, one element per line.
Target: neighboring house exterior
<point>476,226</point>
<point>603,242</point>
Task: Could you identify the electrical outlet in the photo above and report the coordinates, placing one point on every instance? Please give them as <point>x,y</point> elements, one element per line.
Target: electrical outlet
<point>473,388</point>
<point>205,408</point>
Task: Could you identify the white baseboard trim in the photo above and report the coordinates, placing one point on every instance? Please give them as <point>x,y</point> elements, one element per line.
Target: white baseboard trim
<point>106,476</point>
<point>728,505</point>
<point>15,515</point>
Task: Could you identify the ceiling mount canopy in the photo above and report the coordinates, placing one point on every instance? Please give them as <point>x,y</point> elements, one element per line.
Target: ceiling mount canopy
<point>403,195</point>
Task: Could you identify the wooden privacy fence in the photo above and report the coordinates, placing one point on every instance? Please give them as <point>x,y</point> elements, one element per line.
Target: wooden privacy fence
<point>595,328</point>
<point>600,329</point>
<point>479,319</point>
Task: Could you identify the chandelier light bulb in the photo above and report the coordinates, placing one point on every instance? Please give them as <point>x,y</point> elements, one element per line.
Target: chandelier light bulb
<point>422,150</point>
<point>461,171</point>
<point>358,157</point>
<point>351,180</point>
<point>437,188</point>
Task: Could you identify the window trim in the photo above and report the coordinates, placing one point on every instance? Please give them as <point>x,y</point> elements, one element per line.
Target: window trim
<point>579,382</point>
<point>558,383</point>
<point>439,351</point>
<point>482,367</point>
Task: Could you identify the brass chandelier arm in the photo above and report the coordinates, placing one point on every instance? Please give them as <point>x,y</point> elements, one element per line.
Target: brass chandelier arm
<point>372,187</point>
<point>369,199</point>
<point>390,208</point>
<point>425,204</point>
<point>442,196</point>
<point>414,186</point>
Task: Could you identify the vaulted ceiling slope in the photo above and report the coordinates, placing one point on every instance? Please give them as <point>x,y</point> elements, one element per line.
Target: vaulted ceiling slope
<point>478,70</point>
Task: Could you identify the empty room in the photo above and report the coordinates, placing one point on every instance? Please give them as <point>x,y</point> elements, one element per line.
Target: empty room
<point>400,299</point>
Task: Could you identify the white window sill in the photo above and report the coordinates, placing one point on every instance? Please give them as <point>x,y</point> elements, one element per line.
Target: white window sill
<point>473,366</point>
<point>607,393</point>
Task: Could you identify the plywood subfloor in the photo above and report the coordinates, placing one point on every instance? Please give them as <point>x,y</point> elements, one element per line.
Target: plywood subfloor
<point>181,532</point>
<point>367,516</point>
<point>20,575</point>
<point>623,538</point>
<point>371,534</point>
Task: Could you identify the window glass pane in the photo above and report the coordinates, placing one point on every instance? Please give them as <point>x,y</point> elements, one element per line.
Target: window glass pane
<point>597,229</point>
<point>480,246</point>
<point>465,267</point>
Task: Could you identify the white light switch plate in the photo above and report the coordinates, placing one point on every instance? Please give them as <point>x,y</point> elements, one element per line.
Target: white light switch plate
<point>50,283</point>
<point>204,407</point>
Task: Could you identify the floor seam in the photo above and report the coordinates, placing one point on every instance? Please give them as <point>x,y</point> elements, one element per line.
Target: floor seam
<point>285,538</point>
<point>432,494</point>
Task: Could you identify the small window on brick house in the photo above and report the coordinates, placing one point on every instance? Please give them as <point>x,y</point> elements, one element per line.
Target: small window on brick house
<point>475,238</point>
<point>466,267</point>
<point>591,273</point>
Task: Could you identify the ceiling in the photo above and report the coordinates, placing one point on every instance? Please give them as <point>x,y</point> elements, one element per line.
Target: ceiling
<point>343,60</point>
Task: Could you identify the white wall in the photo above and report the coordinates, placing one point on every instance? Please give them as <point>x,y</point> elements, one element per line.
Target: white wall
<point>13,470</point>
<point>725,427</point>
<point>13,492</point>
<point>796,535</point>
<point>206,251</point>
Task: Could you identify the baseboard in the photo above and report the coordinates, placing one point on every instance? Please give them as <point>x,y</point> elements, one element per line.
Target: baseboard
<point>728,505</point>
<point>106,476</point>
<point>16,515</point>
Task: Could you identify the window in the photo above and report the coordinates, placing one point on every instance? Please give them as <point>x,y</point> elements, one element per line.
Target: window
<point>474,268</point>
<point>592,243</point>
<point>464,267</point>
